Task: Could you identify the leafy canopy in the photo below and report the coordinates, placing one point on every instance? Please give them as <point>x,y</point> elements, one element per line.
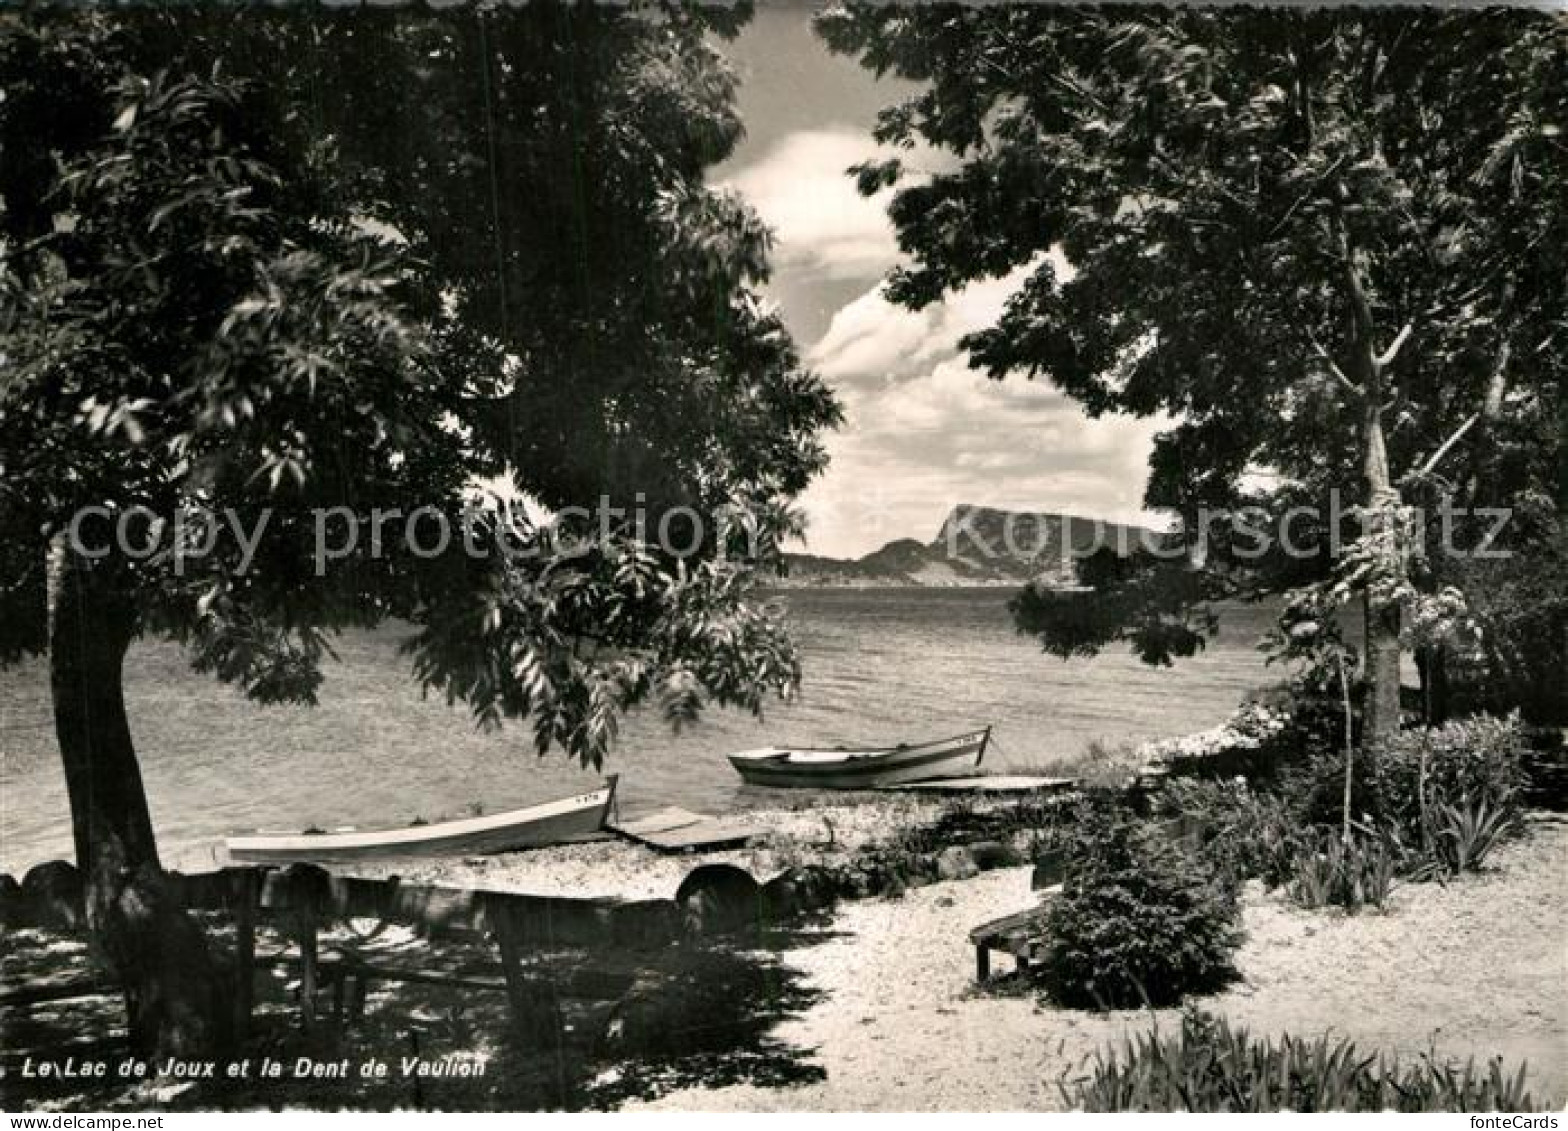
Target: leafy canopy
<point>1310,237</point>
<point>262,266</point>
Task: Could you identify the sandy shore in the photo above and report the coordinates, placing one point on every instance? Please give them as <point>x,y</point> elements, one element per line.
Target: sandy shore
<point>788,838</point>
<point>1475,968</point>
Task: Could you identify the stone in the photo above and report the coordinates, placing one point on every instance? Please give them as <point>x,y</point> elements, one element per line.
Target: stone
<point>798,891</point>
<point>956,863</point>
<point>719,899</point>
<point>54,895</point>
<point>13,907</point>
<point>990,854</point>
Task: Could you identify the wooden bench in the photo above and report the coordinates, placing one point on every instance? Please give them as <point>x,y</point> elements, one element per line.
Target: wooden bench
<point>349,976</point>
<point>1021,934</point>
<point>302,900</point>
<point>46,991</point>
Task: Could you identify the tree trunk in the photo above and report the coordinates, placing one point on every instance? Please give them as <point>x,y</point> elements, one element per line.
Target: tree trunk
<point>1350,751</point>
<point>173,995</point>
<point>1380,720</point>
<point>1432,663</point>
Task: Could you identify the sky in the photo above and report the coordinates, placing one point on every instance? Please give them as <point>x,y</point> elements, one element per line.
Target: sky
<point>923,431</point>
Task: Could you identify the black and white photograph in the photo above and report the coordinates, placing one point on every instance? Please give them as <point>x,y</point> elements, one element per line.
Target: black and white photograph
<point>774,556</point>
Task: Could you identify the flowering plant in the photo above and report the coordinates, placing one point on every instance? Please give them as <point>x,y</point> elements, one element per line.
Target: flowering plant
<point>1249,727</point>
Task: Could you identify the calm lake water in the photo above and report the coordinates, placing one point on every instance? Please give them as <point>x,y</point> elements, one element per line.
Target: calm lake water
<point>880,666</point>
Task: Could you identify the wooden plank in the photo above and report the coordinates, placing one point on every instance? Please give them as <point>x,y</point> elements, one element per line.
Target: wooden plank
<point>990,783</point>
<point>710,835</point>
<point>537,919</point>
<point>680,830</point>
<point>433,910</point>
<point>665,820</point>
<point>1011,931</point>
<point>339,967</point>
<point>1008,926</point>
<point>378,973</point>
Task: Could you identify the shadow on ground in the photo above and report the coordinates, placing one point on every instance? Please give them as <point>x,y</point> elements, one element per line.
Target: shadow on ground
<point>695,1014</point>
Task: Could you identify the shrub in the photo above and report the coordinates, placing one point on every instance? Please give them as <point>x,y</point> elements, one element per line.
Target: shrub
<point>1210,1065</point>
<point>1243,833</point>
<point>1461,764</point>
<point>1139,920</point>
<point>1404,785</point>
<point>1544,764</point>
<point>1099,765</point>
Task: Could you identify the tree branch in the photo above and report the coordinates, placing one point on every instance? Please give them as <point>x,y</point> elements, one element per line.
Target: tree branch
<point>1333,367</point>
<point>1491,407</point>
<point>1360,303</point>
<point>1497,384</point>
<point>1386,358</point>
<point>1448,444</point>
<point>1307,192</point>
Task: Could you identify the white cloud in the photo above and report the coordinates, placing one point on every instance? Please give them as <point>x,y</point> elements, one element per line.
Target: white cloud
<point>872,336</point>
<point>924,432</point>
<point>801,190</point>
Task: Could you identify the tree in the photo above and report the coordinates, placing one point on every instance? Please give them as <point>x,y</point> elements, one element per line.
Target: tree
<point>1329,243</point>
<point>224,302</point>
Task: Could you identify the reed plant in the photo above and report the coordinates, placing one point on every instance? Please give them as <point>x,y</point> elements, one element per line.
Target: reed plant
<point>1210,1065</point>
<point>1353,873</point>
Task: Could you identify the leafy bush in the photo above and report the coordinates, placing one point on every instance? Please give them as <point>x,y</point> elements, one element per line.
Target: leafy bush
<point>1462,763</point>
<point>1139,920</point>
<point>1243,833</point>
<point>1404,785</point>
<point>1328,871</point>
<point>1544,763</point>
<point>1429,803</point>
<point>1210,1065</point>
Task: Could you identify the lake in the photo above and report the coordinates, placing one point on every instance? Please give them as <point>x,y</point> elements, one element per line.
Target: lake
<point>881,666</point>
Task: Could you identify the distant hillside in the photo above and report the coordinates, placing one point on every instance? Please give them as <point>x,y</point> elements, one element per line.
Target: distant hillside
<point>975,546</point>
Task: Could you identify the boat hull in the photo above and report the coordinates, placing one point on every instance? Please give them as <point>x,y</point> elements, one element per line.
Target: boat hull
<point>539,826</point>
<point>862,769</point>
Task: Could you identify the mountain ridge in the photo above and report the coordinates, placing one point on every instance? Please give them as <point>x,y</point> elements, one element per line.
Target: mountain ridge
<point>976,545</point>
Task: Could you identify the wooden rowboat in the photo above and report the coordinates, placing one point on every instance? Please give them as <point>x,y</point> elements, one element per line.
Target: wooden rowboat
<point>865,768</point>
<point>554,822</point>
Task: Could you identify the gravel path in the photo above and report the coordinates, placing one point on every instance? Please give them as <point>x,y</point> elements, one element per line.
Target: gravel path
<point>1475,968</point>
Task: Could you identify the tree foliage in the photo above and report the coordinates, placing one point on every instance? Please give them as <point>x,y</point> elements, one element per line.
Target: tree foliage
<point>280,271</point>
<point>369,261</point>
<point>1329,244</point>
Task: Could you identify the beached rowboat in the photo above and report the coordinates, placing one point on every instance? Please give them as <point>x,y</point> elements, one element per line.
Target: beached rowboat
<point>554,822</point>
<point>864,768</point>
